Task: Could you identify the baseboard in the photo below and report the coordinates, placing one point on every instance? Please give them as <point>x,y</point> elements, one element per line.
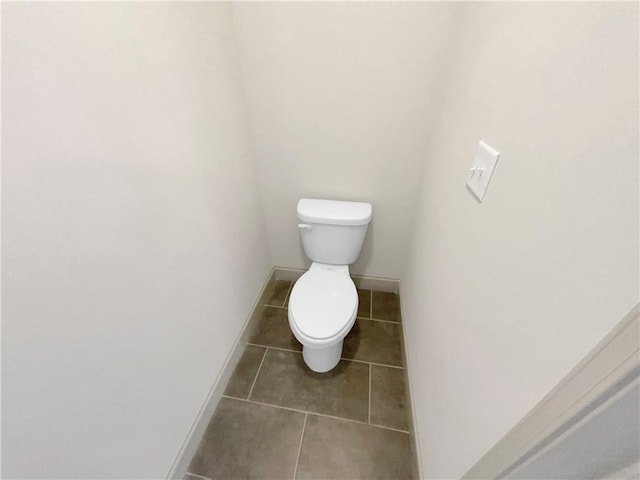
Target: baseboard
<point>189,447</point>
<point>181,463</point>
<point>369,283</point>
<point>288,274</point>
<point>414,438</point>
<point>607,369</point>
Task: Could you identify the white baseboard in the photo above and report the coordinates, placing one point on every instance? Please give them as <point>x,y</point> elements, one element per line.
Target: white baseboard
<point>288,274</point>
<point>181,463</point>
<point>414,437</point>
<point>369,283</point>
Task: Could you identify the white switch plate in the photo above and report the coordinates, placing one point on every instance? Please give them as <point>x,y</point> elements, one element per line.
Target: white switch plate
<point>482,169</point>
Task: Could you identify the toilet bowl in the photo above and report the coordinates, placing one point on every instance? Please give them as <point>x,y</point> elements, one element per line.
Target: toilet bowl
<point>324,301</point>
<point>322,309</point>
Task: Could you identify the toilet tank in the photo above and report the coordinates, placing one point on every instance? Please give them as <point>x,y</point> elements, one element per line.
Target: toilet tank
<point>333,231</point>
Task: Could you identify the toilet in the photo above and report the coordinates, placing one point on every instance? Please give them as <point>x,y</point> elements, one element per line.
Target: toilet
<point>324,301</point>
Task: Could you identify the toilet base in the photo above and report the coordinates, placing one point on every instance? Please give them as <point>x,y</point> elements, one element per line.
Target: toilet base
<point>322,359</point>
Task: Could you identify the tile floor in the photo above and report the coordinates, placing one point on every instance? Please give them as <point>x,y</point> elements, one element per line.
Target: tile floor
<point>278,419</point>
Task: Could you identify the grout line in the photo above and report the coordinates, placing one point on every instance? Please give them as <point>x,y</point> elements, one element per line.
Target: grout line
<point>369,418</point>
<point>198,476</point>
<point>287,295</point>
<point>379,320</point>
<point>390,428</point>
<point>371,304</point>
<point>361,318</point>
<point>257,373</point>
<point>372,363</point>
<point>316,413</point>
<point>295,471</point>
<point>269,404</point>
<point>275,348</point>
<point>341,358</point>
<point>273,306</point>
<point>355,421</point>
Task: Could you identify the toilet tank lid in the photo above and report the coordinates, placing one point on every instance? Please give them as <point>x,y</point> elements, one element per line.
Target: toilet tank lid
<point>334,212</point>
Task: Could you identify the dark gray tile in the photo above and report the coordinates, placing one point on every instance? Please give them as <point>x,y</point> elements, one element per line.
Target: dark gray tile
<point>372,341</point>
<point>385,306</point>
<point>364,303</point>
<point>388,403</point>
<point>279,291</point>
<point>339,449</point>
<point>285,380</point>
<point>272,330</point>
<point>286,302</point>
<point>245,372</point>
<point>247,440</point>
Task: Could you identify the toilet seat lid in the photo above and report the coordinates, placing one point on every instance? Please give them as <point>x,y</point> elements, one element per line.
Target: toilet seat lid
<point>323,302</point>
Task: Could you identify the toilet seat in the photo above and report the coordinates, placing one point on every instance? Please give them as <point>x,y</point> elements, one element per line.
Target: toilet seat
<point>323,304</point>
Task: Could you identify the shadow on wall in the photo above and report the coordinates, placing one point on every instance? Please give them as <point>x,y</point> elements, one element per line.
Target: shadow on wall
<point>366,254</point>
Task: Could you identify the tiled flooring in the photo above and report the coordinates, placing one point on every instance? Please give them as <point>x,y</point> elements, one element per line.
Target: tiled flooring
<point>278,419</point>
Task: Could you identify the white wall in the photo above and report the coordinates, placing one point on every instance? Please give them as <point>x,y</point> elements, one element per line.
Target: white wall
<point>343,98</point>
<point>502,299</point>
<point>133,240</point>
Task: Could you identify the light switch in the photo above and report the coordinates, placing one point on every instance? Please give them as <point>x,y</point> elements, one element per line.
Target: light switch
<point>482,169</point>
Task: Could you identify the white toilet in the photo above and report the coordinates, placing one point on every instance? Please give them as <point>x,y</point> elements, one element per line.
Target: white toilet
<point>324,301</point>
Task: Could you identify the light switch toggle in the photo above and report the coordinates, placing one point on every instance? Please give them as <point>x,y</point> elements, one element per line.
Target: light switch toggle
<point>482,170</point>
